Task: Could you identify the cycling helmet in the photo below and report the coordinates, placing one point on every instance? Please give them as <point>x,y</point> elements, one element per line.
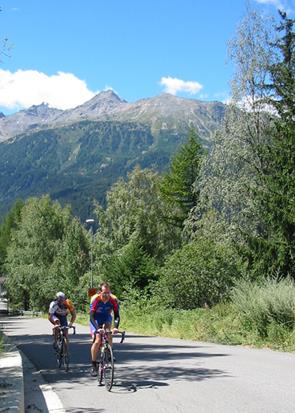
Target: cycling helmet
<point>60,295</point>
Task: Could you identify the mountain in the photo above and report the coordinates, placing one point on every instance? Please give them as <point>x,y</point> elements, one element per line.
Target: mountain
<point>170,112</point>
<point>161,113</point>
<point>77,154</point>
<point>34,118</point>
<point>100,107</point>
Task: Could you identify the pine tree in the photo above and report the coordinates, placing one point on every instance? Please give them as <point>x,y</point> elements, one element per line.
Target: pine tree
<point>274,249</point>
<point>177,187</point>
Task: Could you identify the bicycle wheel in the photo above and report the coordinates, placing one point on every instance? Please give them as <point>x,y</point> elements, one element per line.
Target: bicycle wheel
<point>108,369</point>
<point>100,368</point>
<point>66,359</point>
<point>59,353</point>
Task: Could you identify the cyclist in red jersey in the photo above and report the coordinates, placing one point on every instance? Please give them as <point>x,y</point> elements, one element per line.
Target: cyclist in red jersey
<point>102,306</point>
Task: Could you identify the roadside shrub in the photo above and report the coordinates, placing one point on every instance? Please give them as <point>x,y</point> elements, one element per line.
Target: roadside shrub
<point>277,333</point>
<point>262,303</point>
<point>200,274</point>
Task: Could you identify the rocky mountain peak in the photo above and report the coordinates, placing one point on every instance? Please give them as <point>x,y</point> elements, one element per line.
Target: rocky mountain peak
<point>104,100</point>
<point>159,112</point>
<point>108,94</point>
<point>42,110</point>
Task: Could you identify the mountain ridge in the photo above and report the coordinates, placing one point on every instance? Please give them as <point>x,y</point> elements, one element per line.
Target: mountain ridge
<point>161,111</point>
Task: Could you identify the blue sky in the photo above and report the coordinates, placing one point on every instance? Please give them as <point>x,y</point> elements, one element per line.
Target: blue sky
<point>65,51</point>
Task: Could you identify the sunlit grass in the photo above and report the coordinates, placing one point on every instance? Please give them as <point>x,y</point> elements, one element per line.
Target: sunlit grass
<point>220,324</point>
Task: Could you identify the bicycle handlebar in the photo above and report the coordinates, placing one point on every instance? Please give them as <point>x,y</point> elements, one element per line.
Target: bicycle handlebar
<point>66,328</point>
<point>102,331</point>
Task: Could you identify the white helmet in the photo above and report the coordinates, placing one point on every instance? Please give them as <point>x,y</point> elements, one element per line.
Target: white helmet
<point>61,295</point>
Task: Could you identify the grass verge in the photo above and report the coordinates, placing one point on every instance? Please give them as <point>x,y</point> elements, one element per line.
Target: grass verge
<point>221,324</point>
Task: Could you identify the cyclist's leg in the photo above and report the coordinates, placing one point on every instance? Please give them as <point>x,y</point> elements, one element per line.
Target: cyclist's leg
<point>64,323</point>
<point>108,326</point>
<point>94,348</point>
<point>55,330</point>
<point>95,344</point>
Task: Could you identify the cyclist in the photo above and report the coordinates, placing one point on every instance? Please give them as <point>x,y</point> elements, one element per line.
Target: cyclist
<point>102,305</point>
<point>58,312</point>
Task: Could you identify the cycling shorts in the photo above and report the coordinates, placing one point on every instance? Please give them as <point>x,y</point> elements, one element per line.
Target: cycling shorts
<point>101,319</point>
<point>62,319</point>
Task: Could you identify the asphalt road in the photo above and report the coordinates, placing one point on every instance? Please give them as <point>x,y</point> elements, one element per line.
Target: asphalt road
<point>161,375</point>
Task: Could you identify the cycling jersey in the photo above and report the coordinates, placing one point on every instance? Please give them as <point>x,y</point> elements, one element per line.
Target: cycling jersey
<point>61,310</point>
<point>101,308</point>
<point>98,294</point>
<point>102,311</point>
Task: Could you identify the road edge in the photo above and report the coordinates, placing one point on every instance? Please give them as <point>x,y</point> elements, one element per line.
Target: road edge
<point>52,400</point>
<point>11,378</point>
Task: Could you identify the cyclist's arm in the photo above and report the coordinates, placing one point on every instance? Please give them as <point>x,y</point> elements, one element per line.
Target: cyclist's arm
<point>116,320</point>
<point>50,318</point>
<point>72,310</point>
<point>51,311</point>
<point>116,311</point>
<point>116,315</point>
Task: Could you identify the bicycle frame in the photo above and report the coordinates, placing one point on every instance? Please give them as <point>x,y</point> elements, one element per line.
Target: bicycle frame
<point>62,352</point>
<point>106,358</point>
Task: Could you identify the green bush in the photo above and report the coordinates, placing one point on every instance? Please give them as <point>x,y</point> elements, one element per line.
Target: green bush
<point>260,304</point>
<point>199,274</point>
<point>277,333</point>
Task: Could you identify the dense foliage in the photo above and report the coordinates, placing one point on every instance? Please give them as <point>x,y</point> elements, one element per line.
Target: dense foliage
<point>198,275</point>
<point>10,223</point>
<point>48,252</point>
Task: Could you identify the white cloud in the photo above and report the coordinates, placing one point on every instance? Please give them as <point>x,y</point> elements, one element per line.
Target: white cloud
<point>173,85</point>
<point>276,3</point>
<point>25,88</point>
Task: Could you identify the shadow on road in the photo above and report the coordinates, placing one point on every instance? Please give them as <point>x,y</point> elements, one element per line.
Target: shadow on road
<point>139,364</point>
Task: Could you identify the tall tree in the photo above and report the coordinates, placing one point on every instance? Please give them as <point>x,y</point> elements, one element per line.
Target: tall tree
<point>177,187</point>
<point>226,210</point>
<point>9,224</point>
<point>274,247</point>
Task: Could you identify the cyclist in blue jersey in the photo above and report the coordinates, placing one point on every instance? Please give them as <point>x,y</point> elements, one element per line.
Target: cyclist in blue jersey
<point>102,306</point>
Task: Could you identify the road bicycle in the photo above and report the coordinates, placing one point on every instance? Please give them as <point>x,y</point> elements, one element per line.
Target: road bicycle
<point>62,347</point>
<point>105,358</point>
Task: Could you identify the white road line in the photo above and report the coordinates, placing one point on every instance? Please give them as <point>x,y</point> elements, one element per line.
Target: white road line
<point>53,402</point>
<point>34,383</point>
